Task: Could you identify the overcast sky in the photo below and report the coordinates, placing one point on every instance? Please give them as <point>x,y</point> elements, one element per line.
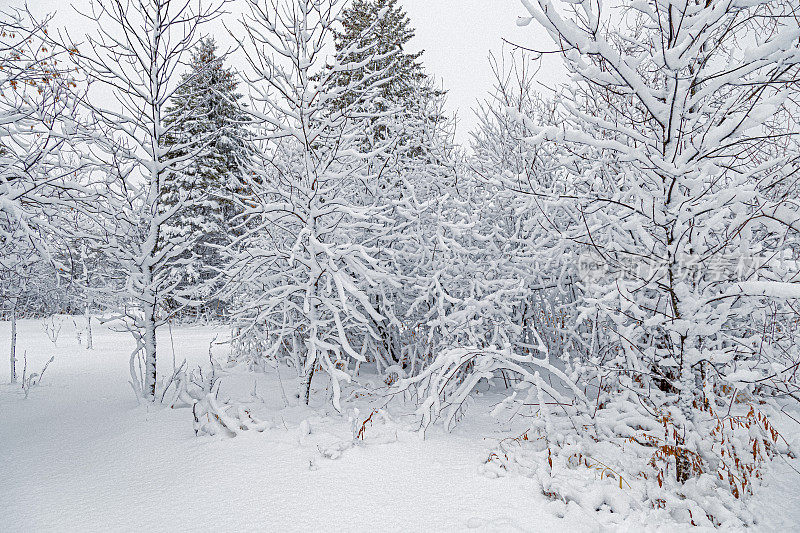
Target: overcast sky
<point>457,36</point>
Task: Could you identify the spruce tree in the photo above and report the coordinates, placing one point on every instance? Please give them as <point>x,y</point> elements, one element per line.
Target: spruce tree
<point>385,45</point>
<point>205,108</point>
<point>406,100</point>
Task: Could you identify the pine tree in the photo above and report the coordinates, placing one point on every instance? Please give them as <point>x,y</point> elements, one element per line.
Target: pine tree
<point>407,107</point>
<point>205,107</point>
<point>375,33</point>
<point>384,44</point>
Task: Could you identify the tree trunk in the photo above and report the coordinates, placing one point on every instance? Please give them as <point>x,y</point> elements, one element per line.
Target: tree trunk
<point>683,467</point>
<point>306,385</point>
<point>88,308</point>
<point>149,353</point>
<point>311,352</point>
<point>686,399</point>
<point>89,342</point>
<point>14,341</point>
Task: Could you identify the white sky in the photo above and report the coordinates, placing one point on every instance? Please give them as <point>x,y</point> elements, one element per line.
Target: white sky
<point>457,36</point>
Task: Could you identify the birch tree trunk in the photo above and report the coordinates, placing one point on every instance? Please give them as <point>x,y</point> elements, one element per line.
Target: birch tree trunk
<point>89,342</point>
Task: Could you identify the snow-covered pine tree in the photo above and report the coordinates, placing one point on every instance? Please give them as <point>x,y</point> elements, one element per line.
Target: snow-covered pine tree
<point>206,105</point>
<point>378,26</point>
<point>375,35</point>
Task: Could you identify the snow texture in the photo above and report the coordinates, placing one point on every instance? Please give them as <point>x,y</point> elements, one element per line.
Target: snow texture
<point>81,454</point>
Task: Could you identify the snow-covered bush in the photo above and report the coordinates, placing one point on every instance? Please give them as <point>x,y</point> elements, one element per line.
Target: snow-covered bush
<point>618,458</point>
<point>214,417</point>
<point>684,230</point>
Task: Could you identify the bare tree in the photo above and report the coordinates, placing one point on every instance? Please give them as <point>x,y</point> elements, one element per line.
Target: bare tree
<point>41,171</point>
<point>303,271</point>
<point>135,51</point>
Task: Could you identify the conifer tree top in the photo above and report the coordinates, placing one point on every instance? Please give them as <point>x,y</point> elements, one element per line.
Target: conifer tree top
<point>390,35</point>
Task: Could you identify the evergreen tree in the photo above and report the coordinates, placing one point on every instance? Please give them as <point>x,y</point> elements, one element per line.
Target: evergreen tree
<point>205,108</point>
<point>374,35</point>
<point>381,48</point>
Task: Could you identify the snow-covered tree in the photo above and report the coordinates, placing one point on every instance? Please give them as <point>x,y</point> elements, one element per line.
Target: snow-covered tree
<point>206,106</point>
<point>39,165</point>
<point>303,270</point>
<point>670,115</point>
<point>135,49</point>
<point>375,34</point>
<point>412,176</point>
<point>524,181</point>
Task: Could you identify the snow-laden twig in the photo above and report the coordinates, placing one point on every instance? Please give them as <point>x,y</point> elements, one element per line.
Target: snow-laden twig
<point>34,379</point>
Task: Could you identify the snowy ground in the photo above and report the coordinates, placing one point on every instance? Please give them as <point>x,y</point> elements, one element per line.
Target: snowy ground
<point>80,454</point>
